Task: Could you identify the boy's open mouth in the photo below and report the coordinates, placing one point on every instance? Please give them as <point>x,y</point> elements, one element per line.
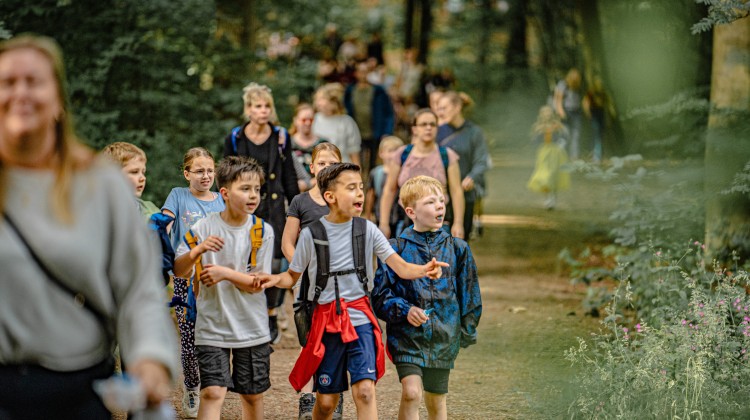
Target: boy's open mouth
<point>358,205</point>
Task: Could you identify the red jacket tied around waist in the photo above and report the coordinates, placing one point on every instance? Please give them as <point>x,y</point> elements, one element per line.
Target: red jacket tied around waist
<point>325,319</point>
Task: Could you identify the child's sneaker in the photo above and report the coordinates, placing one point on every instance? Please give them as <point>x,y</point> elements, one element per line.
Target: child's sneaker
<point>191,399</point>
<point>338,413</point>
<point>306,404</point>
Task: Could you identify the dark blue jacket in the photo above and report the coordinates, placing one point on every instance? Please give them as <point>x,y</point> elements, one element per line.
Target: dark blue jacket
<point>383,117</point>
<point>455,298</point>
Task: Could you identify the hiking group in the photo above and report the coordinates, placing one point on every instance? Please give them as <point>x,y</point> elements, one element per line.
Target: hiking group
<point>229,255</point>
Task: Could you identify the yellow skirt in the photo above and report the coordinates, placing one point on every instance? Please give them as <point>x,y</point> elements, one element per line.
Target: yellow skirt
<point>549,174</point>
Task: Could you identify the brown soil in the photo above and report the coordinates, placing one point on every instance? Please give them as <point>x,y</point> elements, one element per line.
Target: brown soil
<point>531,312</point>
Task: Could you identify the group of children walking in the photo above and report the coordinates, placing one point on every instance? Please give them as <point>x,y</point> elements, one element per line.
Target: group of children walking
<point>425,286</point>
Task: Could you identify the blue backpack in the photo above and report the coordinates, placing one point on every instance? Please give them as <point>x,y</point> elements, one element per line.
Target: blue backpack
<point>158,222</point>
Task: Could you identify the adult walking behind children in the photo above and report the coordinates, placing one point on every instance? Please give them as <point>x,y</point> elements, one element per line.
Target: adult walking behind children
<point>344,333</point>
<point>428,321</point>
<point>80,271</point>
<point>222,251</point>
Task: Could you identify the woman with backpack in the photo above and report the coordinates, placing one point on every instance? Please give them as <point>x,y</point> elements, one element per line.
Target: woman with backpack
<point>467,140</point>
<point>263,140</point>
<point>424,157</point>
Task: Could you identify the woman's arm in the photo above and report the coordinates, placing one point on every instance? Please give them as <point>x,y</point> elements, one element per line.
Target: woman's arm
<point>457,200</point>
<point>290,236</point>
<point>388,199</point>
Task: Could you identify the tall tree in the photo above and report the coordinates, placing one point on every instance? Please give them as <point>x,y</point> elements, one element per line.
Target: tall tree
<point>727,144</point>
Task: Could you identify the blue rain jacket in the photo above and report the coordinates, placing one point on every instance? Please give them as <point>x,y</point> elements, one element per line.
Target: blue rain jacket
<point>455,299</point>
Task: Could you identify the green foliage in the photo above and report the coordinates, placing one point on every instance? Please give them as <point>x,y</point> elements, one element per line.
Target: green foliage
<point>721,12</point>
<point>675,128</point>
<point>658,212</point>
<point>153,73</point>
<point>693,365</point>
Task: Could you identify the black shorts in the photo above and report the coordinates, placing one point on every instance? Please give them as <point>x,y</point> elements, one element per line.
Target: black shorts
<point>434,380</point>
<point>249,373</point>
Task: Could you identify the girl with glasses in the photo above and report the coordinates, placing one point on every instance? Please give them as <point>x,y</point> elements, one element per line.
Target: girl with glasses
<point>188,205</point>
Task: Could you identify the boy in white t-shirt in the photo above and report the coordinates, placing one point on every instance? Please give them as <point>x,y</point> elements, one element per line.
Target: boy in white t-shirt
<point>349,340</point>
<point>232,315</point>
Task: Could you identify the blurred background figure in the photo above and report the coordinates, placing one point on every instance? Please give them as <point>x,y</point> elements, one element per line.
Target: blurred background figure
<point>596,106</point>
<point>467,140</point>
<point>371,108</point>
<point>333,124</point>
<point>567,103</point>
<point>80,269</point>
<point>549,176</point>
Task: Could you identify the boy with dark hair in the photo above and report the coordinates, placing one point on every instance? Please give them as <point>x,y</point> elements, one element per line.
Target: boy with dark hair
<point>427,320</point>
<point>232,319</point>
<point>344,335</point>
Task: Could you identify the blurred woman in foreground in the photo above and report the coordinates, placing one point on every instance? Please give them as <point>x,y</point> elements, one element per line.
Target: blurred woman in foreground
<point>80,270</point>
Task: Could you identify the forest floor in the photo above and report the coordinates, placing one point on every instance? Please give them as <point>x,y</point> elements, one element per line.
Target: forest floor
<point>531,312</point>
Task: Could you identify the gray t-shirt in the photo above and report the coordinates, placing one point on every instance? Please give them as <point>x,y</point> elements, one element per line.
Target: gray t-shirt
<point>341,130</point>
<point>227,316</point>
<point>106,253</point>
<point>342,258</point>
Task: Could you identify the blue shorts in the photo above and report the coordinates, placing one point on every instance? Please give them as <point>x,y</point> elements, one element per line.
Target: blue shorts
<point>357,357</point>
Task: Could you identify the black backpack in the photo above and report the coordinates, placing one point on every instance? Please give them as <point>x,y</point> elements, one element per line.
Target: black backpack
<point>304,308</point>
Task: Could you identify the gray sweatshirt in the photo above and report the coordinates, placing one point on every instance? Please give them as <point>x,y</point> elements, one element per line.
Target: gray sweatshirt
<point>107,254</point>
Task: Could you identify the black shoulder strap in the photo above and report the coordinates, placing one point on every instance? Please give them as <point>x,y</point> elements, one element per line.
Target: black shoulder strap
<point>320,240</point>
<point>80,299</point>
<point>359,236</point>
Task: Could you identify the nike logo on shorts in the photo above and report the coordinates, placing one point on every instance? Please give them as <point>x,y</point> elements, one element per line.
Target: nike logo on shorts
<point>370,370</point>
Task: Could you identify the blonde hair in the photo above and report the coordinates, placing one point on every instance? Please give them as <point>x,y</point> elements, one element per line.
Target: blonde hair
<point>299,108</point>
<point>461,99</point>
<point>416,188</point>
<point>334,93</point>
<point>192,153</point>
<point>72,154</point>
<point>390,141</point>
<point>253,92</point>
<point>547,121</point>
<point>573,79</point>
<point>325,146</point>
<point>122,152</point>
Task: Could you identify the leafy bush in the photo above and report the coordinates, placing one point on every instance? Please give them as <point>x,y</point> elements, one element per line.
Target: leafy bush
<point>656,213</point>
<point>694,365</point>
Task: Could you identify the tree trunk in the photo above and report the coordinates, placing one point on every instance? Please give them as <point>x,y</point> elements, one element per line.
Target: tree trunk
<point>516,54</point>
<point>409,24</point>
<point>727,144</point>
<point>485,32</point>
<point>425,29</point>
<point>235,20</point>
<point>595,59</point>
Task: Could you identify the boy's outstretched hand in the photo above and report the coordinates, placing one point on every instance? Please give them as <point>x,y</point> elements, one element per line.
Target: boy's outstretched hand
<point>433,269</point>
<point>266,281</point>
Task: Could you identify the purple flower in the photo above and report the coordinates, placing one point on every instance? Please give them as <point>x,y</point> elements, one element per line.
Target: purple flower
<point>638,327</point>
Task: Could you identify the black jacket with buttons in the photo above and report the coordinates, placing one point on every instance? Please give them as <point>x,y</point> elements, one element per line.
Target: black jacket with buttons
<point>281,179</point>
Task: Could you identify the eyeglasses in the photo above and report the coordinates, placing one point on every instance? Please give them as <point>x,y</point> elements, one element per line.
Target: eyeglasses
<point>203,172</point>
<point>429,124</point>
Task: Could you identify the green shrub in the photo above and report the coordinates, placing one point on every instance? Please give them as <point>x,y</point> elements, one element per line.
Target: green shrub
<point>694,365</point>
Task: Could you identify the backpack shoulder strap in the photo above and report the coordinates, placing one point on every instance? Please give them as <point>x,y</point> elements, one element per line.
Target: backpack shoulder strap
<point>446,161</point>
<point>256,240</point>
<point>283,137</point>
<point>191,239</point>
<point>405,153</point>
<point>322,254</point>
<point>235,135</point>
<point>359,235</point>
